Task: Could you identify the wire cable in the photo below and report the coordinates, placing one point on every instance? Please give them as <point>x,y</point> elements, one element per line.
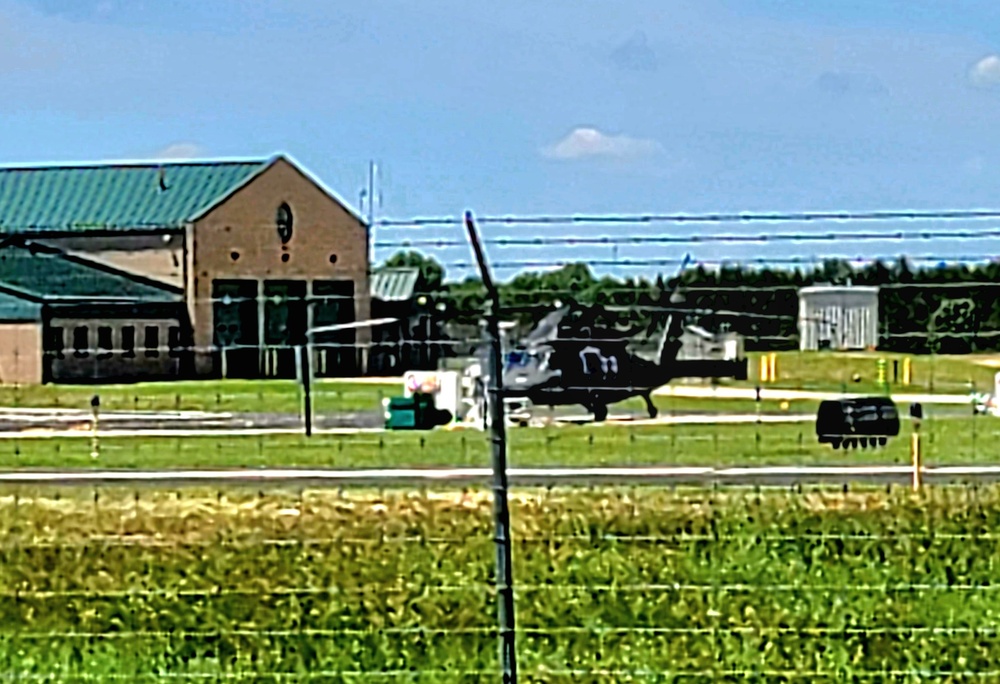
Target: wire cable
<point>763,238</point>
<point>714,217</point>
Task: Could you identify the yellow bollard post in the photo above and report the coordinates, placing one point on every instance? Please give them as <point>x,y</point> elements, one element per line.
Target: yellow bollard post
<point>918,461</point>
<point>763,367</point>
<point>906,370</point>
<point>774,366</point>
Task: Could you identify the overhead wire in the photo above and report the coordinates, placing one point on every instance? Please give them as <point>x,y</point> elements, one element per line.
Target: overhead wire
<point>977,259</point>
<point>712,217</point>
<point>610,240</point>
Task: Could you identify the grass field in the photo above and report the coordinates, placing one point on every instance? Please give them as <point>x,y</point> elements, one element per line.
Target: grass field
<point>952,434</point>
<point>233,396</point>
<point>276,396</point>
<point>796,370</point>
<point>948,439</point>
<point>836,370</point>
<point>640,585</point>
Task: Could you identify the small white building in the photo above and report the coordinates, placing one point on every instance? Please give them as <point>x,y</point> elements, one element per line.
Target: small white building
<point>838,317</point>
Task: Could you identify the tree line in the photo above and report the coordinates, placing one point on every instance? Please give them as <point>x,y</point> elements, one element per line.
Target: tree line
<point>948,309</point>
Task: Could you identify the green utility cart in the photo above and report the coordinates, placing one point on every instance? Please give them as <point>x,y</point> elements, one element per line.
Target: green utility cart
<point>417,412</point>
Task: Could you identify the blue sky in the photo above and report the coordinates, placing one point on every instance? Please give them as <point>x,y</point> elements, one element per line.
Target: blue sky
<point>566,106</point>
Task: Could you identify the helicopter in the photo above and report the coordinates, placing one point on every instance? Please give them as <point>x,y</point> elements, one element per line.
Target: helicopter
<point>568,359</point>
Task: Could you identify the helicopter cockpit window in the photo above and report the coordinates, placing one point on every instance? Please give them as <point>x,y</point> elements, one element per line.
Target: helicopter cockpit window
<point>516,359</point>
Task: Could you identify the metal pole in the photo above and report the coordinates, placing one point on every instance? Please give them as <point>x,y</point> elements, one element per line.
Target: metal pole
<point>916,448</point>
<point>501,510</point>
<point>305,374</point>
<point>371,211</point>
<point>304,354</point>
<point>95,443</point>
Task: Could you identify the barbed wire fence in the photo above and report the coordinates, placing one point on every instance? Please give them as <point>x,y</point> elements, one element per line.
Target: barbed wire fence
<point>627,583</point>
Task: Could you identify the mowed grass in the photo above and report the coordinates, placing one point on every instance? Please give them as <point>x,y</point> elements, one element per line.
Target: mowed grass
<point>830,371</point>
<point>330,397</point>
<point>611,585</point>
<point>947,439</point>
<point>951,434</point>
<point>228,396</point>
<point>835,371</point>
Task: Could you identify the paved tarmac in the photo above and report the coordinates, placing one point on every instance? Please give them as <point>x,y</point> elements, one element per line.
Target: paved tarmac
<point>766,393</point>
<point>25,423</point>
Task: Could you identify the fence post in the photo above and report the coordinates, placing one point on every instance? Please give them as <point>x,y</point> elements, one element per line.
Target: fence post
<point>95,444</point>
<point>303,354</point>
<point>501,511</point>
<point>916,454</point>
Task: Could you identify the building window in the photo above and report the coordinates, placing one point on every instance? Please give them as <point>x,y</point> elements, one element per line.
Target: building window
<point>105,343</point>
<point>174,340</point>
<point>128,341</point>
<point>152,342</point>
<point>80,341</point>
<point>56,342</point>
<point>235,313</point>
<point>283,221</point>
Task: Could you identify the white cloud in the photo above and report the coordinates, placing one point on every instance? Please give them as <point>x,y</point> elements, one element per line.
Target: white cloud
<point>181,150</point>
<point>986,72</point>
<point>590,142</point>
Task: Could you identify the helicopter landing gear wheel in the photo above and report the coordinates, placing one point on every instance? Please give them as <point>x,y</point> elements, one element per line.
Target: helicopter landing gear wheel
<point>650,407</point>
<point>600,412</point>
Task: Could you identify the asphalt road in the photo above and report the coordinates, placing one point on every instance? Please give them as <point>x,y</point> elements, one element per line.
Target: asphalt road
<point>778,394</point>
<point>27,423</point>
<point>764,476</point>
<point>24,423</point>
<point>47,423</point>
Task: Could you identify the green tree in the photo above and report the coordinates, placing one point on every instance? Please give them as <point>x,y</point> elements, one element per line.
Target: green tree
<point>431,272</point>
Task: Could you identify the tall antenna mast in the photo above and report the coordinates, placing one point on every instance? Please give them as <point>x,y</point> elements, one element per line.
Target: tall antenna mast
<point>371,211</point>
<point>369,194</point>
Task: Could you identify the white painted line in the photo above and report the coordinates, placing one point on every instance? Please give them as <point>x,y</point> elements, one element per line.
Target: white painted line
<point>55,412</point>
<point>810,471</point>
<point>81,428</point>
<point>766,394</point>
<point>964,470</point>
<point>551,476</point>
<point>85,431</point>
<point>689,419</point>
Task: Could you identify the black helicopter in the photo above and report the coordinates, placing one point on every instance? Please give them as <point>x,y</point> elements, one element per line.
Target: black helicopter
<point>569,359</point>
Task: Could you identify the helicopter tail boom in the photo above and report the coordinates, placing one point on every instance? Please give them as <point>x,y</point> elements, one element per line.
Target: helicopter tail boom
<point>709,368</point>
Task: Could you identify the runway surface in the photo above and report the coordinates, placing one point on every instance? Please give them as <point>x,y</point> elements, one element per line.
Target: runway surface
<point>415,477</point>
<point>778,394</point>
<point>45,423</point>
<point>21,423</point>
<point>28,423</point>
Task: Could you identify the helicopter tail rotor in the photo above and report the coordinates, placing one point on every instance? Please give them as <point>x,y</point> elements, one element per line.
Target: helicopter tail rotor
<point>670,341</point>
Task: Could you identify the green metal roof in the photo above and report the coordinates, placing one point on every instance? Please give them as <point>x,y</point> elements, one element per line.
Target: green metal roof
<point>13,308</point>
<point>116,196</point>
<point>394,284</point>
<point>44,274</point>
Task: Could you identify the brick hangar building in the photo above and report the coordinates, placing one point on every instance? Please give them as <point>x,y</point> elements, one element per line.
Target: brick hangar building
<point>128,271</point>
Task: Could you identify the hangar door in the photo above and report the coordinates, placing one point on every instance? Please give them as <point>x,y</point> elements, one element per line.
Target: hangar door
<point>285,325</point>
<point>236,328</point>
<point>336,352</point>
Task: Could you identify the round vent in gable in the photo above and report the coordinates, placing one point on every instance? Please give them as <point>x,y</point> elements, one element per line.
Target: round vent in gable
<point>283,219</point>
